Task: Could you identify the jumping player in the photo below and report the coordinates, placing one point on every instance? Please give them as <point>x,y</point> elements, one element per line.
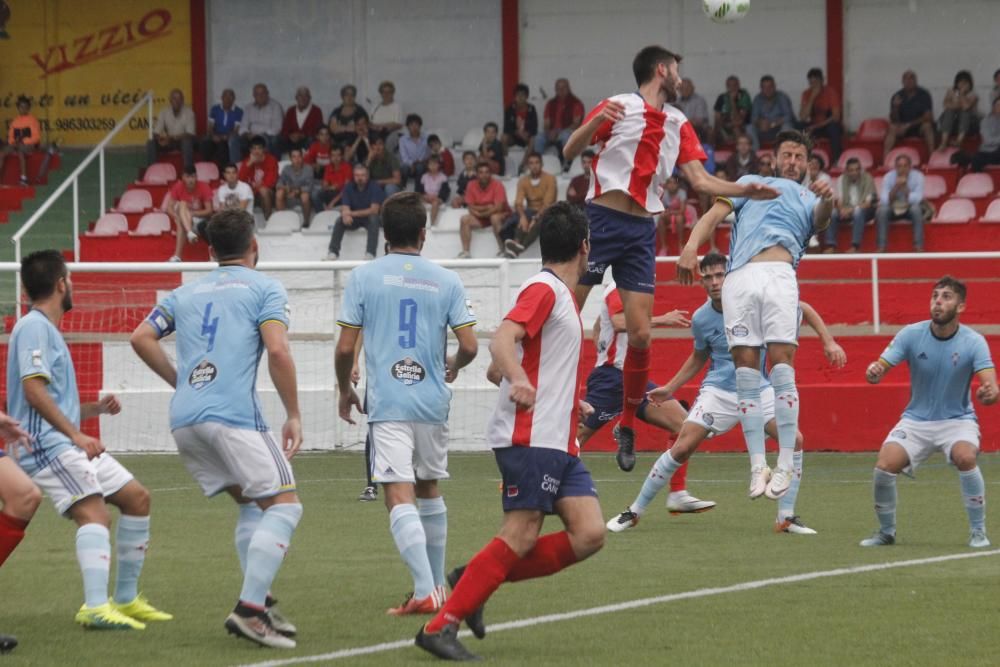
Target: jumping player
<point>715,411</point>
<point>943,356</point>
<point>642,138</point>
<point>760,298</point>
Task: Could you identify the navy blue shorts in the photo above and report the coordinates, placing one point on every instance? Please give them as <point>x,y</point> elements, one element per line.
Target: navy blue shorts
<point>604,393</point>
<point>626,243</point>
<point>534,478</point>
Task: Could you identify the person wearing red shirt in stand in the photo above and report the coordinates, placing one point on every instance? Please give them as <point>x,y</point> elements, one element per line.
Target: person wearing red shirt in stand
<point>318,155</point>
<point>260,170</point>
<point>189,204</point>
<point>486,200</point>
<point>563,115</point>
<point>642,138</point>
<point>444,155</point>
<point>819,112</point>
<point>537,364</point>
<point>302,121</point>
<point>336,176</point>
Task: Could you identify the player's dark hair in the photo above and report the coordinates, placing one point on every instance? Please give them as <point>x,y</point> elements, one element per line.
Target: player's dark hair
<point>963,75</point>
<point>189,170</point>
<point>853,160</point>
<point>818,158</point>
<point>491,124</point>
<point>954,284</point>
<point>766,77</point>
<point>414,118</point>
<point>712,259</point>
<point>465,153</point>
<point>795,137</point>
<point>903,156</point>
<point>349,87</point>
<point>588,153</point>
<point>483,163</point>
<point>432,138</point>
<point>403,216</point>
<point>23,99</point>
<point>258,141</point>
<point>645,62</point>
<point>562,229</point>
<point>230,165</point>
<point>40,271</point>
<point>230,233</point>
<point>521,88</point>
<point>815,73</point>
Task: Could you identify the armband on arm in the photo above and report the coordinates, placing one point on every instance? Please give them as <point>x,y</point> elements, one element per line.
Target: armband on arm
<point>162,323</point>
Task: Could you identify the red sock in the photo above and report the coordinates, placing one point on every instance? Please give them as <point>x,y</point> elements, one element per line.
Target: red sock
<point>678,481</point>
<point>11,534</point>
<point>635,377</point>
<point>551,553</point>
<point>483,575</point>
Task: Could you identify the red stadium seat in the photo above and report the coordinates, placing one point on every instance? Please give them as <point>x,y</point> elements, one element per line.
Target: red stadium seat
<point>207,171</point>
<point>955,211</point>
<point>890,159</point>
<point>152,224</point>
<point>159,173</point>
<point>975,185</point>
<point>109,224</point>
<point>863,154</point>
<point>873,129</point>
<point>935,186</point>
<point>941,159</point>
<point>134,201</point>
<point>992,212</point>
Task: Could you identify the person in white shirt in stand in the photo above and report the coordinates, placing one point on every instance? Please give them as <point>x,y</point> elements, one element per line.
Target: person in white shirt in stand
<point>233,193</point>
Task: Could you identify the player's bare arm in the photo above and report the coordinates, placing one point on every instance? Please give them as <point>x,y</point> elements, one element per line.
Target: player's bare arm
<point>876,371</point>
<point>109,405</point>
<point>821,214</point>
<point>690,368</point>
<point>146,343</point>
<point>281,367</point>
<point>701,233</point>
<point>13,435</point>
<point>343,361</point>
<point>988,393</point>
<point>702,181</point>
<point>356,368</point>
<point>677,319</point>
<point>37,395</point>
<point>834,352</point>
<point>582,136</point>
<point>468,346</point>
<point>503,349</point>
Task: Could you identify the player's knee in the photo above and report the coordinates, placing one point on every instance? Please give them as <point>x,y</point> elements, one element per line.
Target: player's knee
<point>639,335</point>
<point>139,501</point>
<point>24,504</point>
<point>964,459</point>
<point>589,539</point>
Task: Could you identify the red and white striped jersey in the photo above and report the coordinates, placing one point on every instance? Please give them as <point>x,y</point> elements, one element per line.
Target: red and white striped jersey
<point>611,346</point>
<point>550,356</point>
<point>640,151</point>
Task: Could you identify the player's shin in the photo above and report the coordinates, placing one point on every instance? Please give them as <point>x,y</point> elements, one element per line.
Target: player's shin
<point>635,377</point>
<point>267,550</point>
<point>884,489</point>
<point>93,553</point>
<point>434,517</point>
<point>786,504</point>
<point>750,413</point>
<point>408,533</point>
<point>657,478</point>
<point>551,553</point>
<point>246,524</point>
<point>678,481</point>
<point>786,412</point>
<point>131,543</point>
<point>974,497</point>
<point>483,575</point>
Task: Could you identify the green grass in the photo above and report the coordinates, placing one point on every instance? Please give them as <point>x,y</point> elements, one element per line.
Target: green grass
<point>343,572</point>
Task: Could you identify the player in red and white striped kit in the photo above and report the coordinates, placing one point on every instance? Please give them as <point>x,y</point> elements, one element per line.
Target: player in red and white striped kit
<point>642,139</point>
<point>536,356</point>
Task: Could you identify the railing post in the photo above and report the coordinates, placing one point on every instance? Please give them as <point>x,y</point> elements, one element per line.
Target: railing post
<point>504,289</point>
<point>17,280</point>
<point>100,165</point>
<point>149,114</point>
<point>876,317</point>
<point>76,219</point>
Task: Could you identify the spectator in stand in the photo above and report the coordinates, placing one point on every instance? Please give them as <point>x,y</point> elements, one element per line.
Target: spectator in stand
<point>765,165</point>
<point>743,161</point>
<point>995,93</point>
<point>486,200</point>
<point>434,185</point>
<point>856,200</point>
<point>491,150</point>
<point>466,176</point>
<point>263,118</point>
<point>960,115</point>
<point>296,182</point>
<point>563,114</point>
<point>902,192</point>
<point>174,129</point>
<point>443,154</point>
<point>989,147</point>
<point>695,108</point>
<point>520,122</point>
<point>24,136</point>
<point>189,204</point>
<point>536,191</point>
<point>911,114</point>
<point>336,176</point>
<point>771,112</point>
<point>222,145</point>
<point>815,171</point>
<point>674,216</point>
<point>383,168</point>
<point>387,117</point>
<point>301,123</point>
<point>359,209</point>
<point>576,192</point>
<point>344,117</point>
<point>358,151</point>
<point>233,193</point>
<point>413,150</point>
<point>732,112</point>
<point>819,111</point>
<point>318,155</point>
<point>260,171</point>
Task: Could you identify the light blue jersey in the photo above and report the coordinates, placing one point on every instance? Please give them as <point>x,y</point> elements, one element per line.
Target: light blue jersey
<point>217,319</point>
<point>941,370</point>
<point>709,331</point>
<point>786,221</point>
<point>404,305</point>
<point>37,349</point>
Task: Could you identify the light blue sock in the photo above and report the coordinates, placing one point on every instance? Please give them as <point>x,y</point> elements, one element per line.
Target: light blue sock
<point>93,552</point>
<point>786,412</point>
<point>657,478</point>
<point>434,517</point>
<point>751,414</point>
<point>974,496</point>
<point>408,533</point>
<point>786,504</point>
<point>131,542</point>
<point>250,516</point>
<point>885,501</point>
<point>267,549</point>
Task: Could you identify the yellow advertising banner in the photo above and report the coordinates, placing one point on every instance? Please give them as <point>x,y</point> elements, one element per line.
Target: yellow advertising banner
<point>85,63</point>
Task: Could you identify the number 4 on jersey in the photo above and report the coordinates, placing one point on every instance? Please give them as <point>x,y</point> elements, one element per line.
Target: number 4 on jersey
<point>209,326</point>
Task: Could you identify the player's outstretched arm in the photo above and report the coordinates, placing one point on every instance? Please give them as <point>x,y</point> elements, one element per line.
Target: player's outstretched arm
<point>824,209</point>
<point>109,405</point>
<point>988,393</point>
<point>675,318</point>
<point>834,352</point>
<point>281,367</point>
<point>37,395</point>
<point>691,367</point>
<point>701,233</point>
<point>876,371</point>
<point>503,349</point>
<point>702,181</point>
<point>146,343</point>
<point>468,347</point>
<point>582,136</point>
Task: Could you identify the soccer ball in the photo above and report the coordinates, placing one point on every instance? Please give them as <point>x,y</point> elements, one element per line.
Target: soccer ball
<point>725,11</point>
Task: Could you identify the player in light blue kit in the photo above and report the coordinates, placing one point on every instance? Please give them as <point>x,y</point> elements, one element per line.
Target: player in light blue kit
<point>404,305</point>
<point>760,297</point>
<point>224,321</point>
<point>943,357</point>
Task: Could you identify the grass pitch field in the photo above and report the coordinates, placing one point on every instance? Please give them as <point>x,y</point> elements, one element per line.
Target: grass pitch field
<point>343,572</point>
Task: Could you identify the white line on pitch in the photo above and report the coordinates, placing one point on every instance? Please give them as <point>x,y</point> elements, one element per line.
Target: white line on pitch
<point>636,604</point>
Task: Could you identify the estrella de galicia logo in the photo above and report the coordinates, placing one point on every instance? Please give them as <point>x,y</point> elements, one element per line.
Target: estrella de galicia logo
<point>899,433</point>
<point>408,371</point>
<point>708,418</point>
<point>739,331</point>
<point>203,374</point>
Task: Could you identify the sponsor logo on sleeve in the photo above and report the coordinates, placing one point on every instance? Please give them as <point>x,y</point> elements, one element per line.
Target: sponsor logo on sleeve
<point>203,374</point>
<point>739,331</point>
<point>408,371</point>
<point>36,358</point>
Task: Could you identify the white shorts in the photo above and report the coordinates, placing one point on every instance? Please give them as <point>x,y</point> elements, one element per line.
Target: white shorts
<point>71,477</point>
<point>408,451</point>
<point>220,456</point>
<point>921,439</point>
<point>716,410</point>
<point>760,304</point>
